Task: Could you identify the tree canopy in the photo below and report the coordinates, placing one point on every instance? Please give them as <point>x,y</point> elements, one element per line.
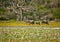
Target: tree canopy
<point>34,8</point>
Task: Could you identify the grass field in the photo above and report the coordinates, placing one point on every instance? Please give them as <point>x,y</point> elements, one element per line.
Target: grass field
<point>18,23</point>
<point>29,35</point>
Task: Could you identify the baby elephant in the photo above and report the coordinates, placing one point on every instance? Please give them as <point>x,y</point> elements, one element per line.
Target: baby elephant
<point>38,22</point>
<point>45,21</point>
<point>30,21</point>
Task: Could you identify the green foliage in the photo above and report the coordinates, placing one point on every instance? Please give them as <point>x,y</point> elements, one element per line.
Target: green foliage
<point>34,7</point>
<point>25,13</point>
<point>2,10</point>
<point>27,2</point>
<point>56,13</point>
<point>2,0</point>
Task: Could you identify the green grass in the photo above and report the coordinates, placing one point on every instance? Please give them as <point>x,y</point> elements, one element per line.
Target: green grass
<point>29,35</point>
<point>22,23</point>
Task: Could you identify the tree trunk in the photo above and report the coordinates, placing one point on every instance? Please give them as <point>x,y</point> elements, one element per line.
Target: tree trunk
<point>18,17</point>
<point>21,17</point>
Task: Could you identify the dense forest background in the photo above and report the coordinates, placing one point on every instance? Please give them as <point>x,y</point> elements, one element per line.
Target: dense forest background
<point>29,9</point>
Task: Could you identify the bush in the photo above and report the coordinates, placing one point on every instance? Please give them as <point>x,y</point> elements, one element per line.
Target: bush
<point>56,13</point>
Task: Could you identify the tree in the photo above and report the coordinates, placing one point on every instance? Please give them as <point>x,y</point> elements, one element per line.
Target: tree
<point>56,13</point>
